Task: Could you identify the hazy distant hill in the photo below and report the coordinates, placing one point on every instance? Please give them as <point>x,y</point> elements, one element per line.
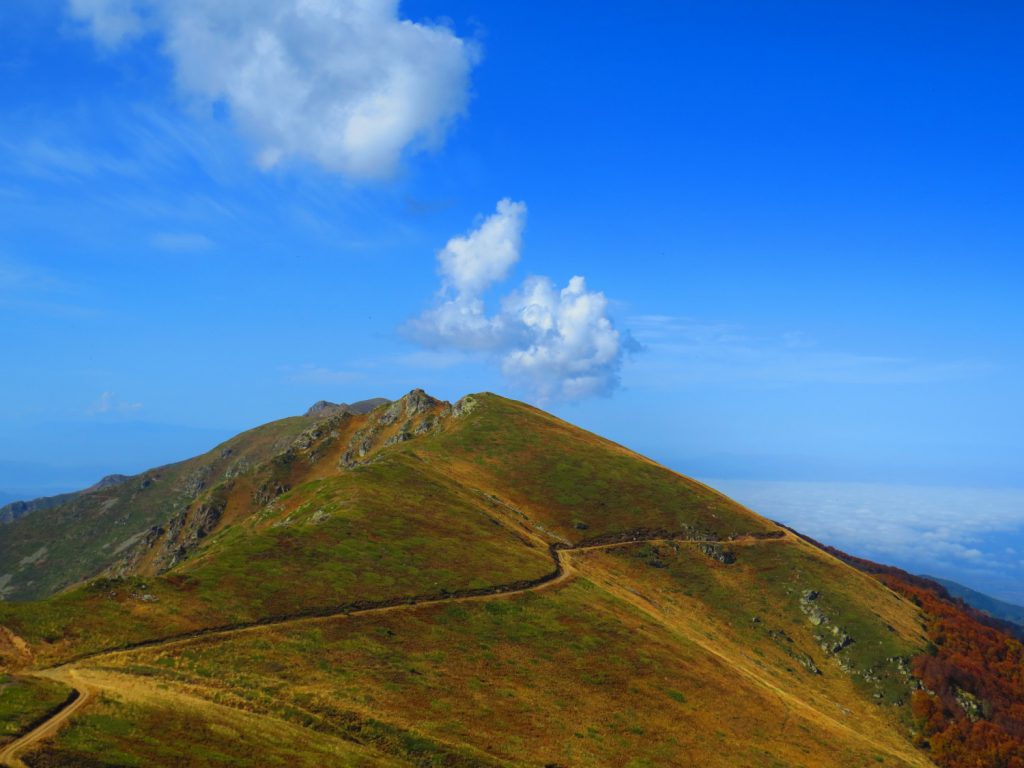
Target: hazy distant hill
<point>990,605</point>
<point>15,509</point>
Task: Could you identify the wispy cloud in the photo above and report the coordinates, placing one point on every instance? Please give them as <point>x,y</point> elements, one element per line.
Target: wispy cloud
<point>108,403</point>
<point>33,289</point>
<point>559,343</point>
<point>684,350</point>
<point>348,86</point>
<point>181,242</point>
<point>57,160</point>
<point>309,373</point>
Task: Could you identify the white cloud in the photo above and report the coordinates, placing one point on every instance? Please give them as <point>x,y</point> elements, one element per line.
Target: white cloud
<point>472,263</point>
<point>685,351</point>
<point>108,402</point>
<point>346,84</point>
<point>575,351</point>
<point>109,21</point>
<point>960,533</point>
<point>560,344</point>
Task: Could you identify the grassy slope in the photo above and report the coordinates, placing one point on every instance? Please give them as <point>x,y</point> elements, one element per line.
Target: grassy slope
<point>50,550</point>
<point>24,700</point>
<point>381,531</point>
<point>652,658</point>
<point>148,726</point>
<point>574,676</point>
<point>574,485</point>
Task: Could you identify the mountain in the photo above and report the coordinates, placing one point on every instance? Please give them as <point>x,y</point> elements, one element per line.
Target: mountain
<point>453,584</point>
<point>15,509</point>
<point>77,537</point>
<point>990,605</point>
<point>325,408</point>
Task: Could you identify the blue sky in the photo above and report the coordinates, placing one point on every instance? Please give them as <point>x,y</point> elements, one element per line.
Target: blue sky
<point>800,231</point>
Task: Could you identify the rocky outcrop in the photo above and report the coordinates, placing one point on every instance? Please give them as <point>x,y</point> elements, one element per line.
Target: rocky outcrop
<point>415,414</point>
<point>110,481</point>
<point>831,637</point>
<point>811,609</point>
<point>975,708</point>
<point>717,552</point>
<point>322,408</point>
<point>197,480</point>
<point>186,530</point>
<point>465,406</point>
<point>325,408</point>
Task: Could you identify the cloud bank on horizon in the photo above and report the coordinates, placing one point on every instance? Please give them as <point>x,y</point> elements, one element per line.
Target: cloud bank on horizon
<point>971,535</point>
<point>349,86</point>
<point>560,344</point>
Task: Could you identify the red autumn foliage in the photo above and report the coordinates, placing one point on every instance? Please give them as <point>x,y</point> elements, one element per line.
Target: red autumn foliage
<point>970,710</point>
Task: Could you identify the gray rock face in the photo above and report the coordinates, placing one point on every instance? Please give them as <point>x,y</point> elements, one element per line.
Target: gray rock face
<point>814,614</point>
<point>832,638</point>
<point>417,413</point>
<point>717,552</point>
<point>974,707</point>
<point>196,481</point>
<point>324,408</point>
<point>110,481</point>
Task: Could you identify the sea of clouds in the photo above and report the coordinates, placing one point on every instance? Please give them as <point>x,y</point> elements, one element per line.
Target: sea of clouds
<point>974,536</point>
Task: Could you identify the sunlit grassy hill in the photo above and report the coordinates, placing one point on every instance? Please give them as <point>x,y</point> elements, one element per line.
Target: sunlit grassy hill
<point>468,584</point>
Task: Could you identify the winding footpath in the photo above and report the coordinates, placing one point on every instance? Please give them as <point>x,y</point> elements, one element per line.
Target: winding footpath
<point>82,695</point>
<point>10,754</point>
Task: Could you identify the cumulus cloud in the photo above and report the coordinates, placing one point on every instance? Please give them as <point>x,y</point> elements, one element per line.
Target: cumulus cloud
<point>346,84</point>
<point>558,343</point>
<point>471,263</point>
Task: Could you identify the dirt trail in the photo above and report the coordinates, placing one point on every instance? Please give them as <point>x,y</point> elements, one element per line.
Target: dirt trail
<point>752,673</point>
<point>9,754</point>
<point>563,571</point>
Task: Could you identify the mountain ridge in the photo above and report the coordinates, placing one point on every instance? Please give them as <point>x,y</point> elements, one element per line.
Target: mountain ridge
<point>999,609</point>
<point>384,578</point>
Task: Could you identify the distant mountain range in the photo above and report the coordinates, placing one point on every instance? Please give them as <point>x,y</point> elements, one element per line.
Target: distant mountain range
<point>990,605</point>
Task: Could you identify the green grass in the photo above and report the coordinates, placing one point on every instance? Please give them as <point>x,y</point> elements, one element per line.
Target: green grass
<point>24,700</point>
<point>392,529</point>
<point>765,584</point>
<point>575,483</point>
<point>514,679</point>
<point>127,735</point>
<point>652,657</point>
<point>80,538</point>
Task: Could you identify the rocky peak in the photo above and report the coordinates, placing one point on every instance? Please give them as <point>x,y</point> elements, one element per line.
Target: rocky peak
<point>109,481</point>
<point>324,408</point>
